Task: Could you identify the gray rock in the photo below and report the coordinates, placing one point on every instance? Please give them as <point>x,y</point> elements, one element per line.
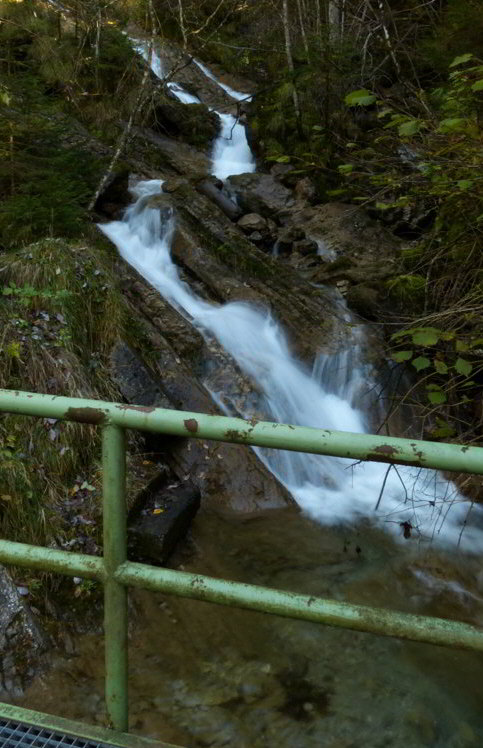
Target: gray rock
<point>22,641</point>
<point>280,170</point>
<point>160,518</point>
<point>133,379</point>
<point>364,300</point>
<point>252,222</point>
<point>305,247</point>
<point>305,190</point>
<point>260,193</point>
<point>115,194</point>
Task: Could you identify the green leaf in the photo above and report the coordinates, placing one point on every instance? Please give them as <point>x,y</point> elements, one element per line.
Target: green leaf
<point>426,336</point>
<point>465,184</point>
<point>478,86</point>
<point>421,362</point>
<point>461,346</point>
<point>283,159</point>
<point>453,124</point>
<point>440,366</point>
<point>461,59</point>
<point>443,430</point>
<point>318,128</point>
<point>403,333</point>
<point>361,97</point>
<point>345,168</point>
<point>463,367</point>
<point>383,206</point>
<point>400,356</point>
<point>384,112</point>
<point>437,397</point>
<point>409,128</point>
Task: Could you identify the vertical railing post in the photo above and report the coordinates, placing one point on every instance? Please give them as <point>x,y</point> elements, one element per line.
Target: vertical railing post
<point>115,594</point>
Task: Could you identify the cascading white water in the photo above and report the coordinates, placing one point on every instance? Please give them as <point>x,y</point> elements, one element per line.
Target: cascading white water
<point>231,153</point>
<point>329,489</point>
<point>237,95</point>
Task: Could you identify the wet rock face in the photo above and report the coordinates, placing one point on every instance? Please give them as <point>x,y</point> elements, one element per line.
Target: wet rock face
<point>260,193</point>
<point>229,477</point>
<point>22,642</point>
<point>134,380</point>
<point>115,195</point>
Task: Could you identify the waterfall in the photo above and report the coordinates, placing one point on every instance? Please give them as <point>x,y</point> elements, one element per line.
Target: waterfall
<point>330,490</point>
<point>237,95</point>
<point>231,153</point>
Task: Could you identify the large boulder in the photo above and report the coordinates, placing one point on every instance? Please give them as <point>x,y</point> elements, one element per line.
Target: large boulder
<point>252,222</point>
<point>260,193</point>
<point>22,641</point>
<point>194,123</point>
<point>115,194</point>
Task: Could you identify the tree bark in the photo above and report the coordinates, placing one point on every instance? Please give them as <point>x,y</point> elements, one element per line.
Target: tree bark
<point>181,23</point>
<point>288,52</point>
<point>302,28</point>
<point>127,130</point>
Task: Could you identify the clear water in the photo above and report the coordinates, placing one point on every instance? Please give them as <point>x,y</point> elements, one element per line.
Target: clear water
<point>204,675</point>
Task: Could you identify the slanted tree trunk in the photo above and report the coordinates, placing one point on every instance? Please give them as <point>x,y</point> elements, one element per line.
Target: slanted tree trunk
<point>127,130</point>
<point>387,36</point>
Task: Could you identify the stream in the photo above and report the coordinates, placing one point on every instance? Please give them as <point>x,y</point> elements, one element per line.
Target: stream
<point>201,676</point>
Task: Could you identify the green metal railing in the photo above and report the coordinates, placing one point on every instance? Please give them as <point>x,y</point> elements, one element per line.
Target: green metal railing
<point>116,573</point>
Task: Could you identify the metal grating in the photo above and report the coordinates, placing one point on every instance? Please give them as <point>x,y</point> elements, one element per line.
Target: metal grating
<point>19,735</point>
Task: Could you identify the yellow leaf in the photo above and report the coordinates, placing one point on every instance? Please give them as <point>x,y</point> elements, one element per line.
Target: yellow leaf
<point>6,497</point>
<point>158,511</point>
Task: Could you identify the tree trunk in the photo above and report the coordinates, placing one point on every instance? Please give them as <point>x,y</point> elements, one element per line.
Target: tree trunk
<point>288,52</point>
<point>302,29</point>
<point>127,130</point>
<point>181,24</point>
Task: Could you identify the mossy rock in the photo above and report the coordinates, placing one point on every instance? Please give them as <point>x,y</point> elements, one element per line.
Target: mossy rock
<point>194,123</point>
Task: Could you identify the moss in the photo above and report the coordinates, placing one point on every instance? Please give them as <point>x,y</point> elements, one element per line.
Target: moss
<point>195,123</point>
<point>60,314</point>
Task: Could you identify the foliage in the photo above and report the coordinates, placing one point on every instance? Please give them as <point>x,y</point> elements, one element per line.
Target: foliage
<point>437,173</point>
<point>54,72</point>
<point>59,317</point>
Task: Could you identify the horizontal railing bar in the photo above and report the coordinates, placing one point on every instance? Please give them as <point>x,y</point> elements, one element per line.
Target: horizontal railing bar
<point>309,608</point>
<point>452,457</point>
<point>51,559</point>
